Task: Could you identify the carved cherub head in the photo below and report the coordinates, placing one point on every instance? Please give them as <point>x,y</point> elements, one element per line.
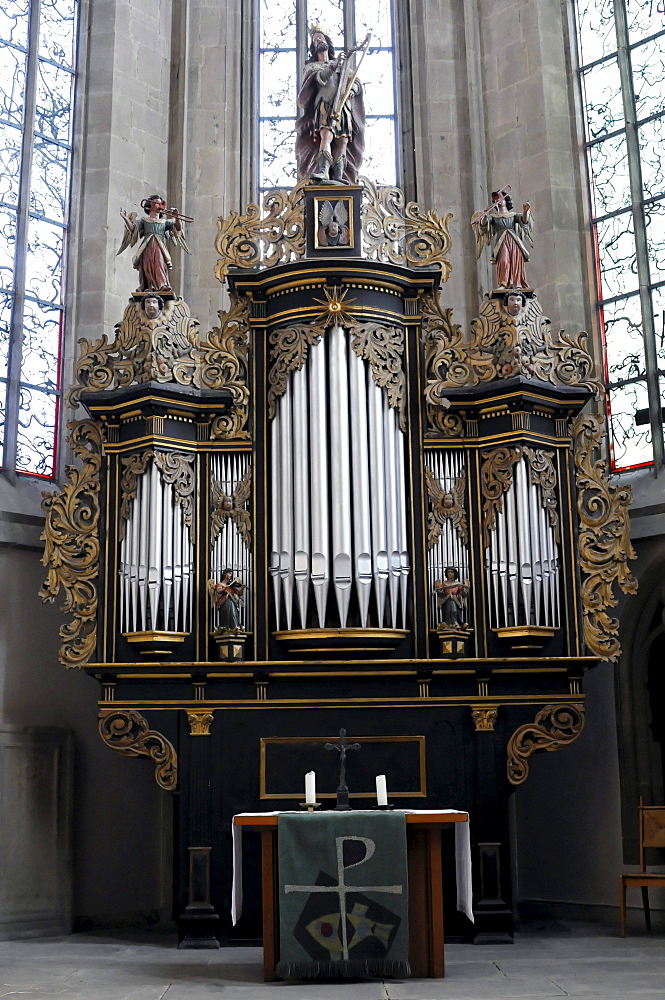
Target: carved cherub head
<point>152,306</point>
<point>514,303</point>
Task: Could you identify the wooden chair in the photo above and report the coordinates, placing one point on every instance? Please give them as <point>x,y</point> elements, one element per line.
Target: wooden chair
<point>652,834</point>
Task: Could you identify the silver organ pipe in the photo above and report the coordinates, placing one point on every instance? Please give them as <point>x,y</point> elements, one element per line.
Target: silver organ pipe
<point>320,513</point>
<point>339,459</point>
<point>378,498</point>
<point>156,568</point>
<point>335,430</point>
<point>526,571</point>
<point>286,505</point>
<point>360,461</point>
<point>227,549</point>
<point>449,551</point>
<point>275,505</point>
<point>301,562</point>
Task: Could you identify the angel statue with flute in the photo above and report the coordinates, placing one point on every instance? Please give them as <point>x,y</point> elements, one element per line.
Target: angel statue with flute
<point>331,130</point>
<point>509,233</point>
<point>151,236</point>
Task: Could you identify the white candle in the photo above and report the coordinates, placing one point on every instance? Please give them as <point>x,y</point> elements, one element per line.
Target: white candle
<point>310,788</point>
<point>381,790</point>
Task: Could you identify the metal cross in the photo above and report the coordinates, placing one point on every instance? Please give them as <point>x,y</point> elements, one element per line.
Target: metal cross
<point>342,749</point>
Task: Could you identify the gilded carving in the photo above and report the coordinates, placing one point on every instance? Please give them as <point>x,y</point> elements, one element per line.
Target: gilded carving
<point>158,348</point>
<point>398,232</point>
<point>502,345</point>
<point>496,477</point>
<point>604,538</point>
<point>289,350</point>
<point>133,466</point>
<point>446,506</point>
<point>200,722</point>
<point>272,234</point>
<point>484,719</point>
<point>128,733</point>
<point>224,358</point>
<point>175,468</point>
<point>383,348</point>
<point>71,550</point>
<point>233,507</point>
<point>442,424</point>
<point>543,475</point>
<point>554,726</point>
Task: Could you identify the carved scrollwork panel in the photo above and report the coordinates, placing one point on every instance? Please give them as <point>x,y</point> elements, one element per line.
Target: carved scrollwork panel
<point>289,350</point>
<point>272,234</point>
<point>133,466</point>
<point>555,726</point>
<point>496,477</point>
<point>383,348</point>
<point>446,506</point>
<point>224,356</point>
<point>71,550</point>
<point>604,538</point>
<point>128,733</point>
<point>397,232</point>
<point>163,349</point>
<point>177,470</point>
<point>543,475</point>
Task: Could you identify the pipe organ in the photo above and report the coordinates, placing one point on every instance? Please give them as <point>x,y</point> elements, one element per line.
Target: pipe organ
<point>336,509</point>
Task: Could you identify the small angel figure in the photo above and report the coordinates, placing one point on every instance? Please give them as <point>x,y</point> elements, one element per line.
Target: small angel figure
<point>151,237</point>
<point>446,505</point>
<point>226,597</point>
<point>451,598</point>
<point>333,224</point>
<point>508,233</point>
<point>233,507</point>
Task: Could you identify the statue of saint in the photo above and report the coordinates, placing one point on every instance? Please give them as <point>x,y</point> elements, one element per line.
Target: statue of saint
<point>227,599</point>
<point>331,130</point>
<point>451,598</point>
<point>509,233</point>
<point>151,236</point>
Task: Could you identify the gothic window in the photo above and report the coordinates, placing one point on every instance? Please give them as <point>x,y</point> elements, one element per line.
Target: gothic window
<point>622,60</point>
<point>37,46</point>
<point>283,40</point>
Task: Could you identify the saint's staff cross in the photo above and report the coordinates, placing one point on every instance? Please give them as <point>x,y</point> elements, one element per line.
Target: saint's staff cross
<point>342,749</point>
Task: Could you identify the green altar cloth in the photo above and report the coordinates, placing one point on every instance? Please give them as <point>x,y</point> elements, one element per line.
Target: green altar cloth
<point>343,895</point>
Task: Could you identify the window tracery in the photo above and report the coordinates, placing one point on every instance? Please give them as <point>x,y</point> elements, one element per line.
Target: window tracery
<point>37,74</point>
<point>622,73</point>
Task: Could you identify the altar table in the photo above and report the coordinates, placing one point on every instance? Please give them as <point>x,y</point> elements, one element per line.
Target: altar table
<point>423,838</point>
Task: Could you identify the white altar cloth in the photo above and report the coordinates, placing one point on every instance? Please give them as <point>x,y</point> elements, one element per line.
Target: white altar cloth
<point>462,858</point>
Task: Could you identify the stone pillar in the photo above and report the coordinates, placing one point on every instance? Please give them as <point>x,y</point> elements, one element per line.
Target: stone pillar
<point>35,834</point>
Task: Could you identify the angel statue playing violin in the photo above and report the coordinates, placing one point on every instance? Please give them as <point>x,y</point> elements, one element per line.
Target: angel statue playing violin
<point>226,598</point>
<point>151,236</point>
<point>509,233</point>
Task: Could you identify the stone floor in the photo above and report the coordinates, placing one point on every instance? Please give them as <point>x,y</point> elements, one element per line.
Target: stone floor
<point>549,959</point>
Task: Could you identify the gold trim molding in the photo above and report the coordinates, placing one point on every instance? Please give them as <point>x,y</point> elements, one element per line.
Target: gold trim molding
<point>269,235</point>
<point>604,538</point>
<point>555,726</point>
<point>128,733</point>
<point>71,550</point>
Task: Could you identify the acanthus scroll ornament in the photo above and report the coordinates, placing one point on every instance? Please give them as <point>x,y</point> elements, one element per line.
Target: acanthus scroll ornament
<point>133,466</point>
<point>156,341</point>
<point>510,337</point>
<point>176,469</point>
<point>383,348</point>
<point>496,477</point>
<point>398,232</point>
<point>604,538</point>
<point>273,234</point>
<point>543,475</point>
<point>224,356</point>
<point>555,726</point>
<point>71,552</point>
<point>128,733</point>
<point>289,350</point>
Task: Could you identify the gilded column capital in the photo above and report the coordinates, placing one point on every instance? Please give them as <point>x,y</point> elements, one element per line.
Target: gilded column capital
<point>484,719</point>
<point>200,722</point>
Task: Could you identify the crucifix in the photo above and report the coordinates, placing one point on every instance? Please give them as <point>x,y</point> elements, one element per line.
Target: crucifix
<point>342,748</point>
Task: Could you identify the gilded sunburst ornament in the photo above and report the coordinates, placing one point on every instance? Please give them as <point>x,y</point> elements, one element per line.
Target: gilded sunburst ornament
<point>336,309</point>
